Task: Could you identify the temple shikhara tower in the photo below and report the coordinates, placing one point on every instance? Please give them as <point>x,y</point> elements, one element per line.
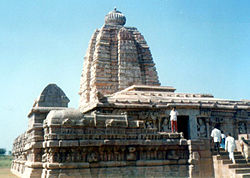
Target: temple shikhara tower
<point>122,123</point>
<point>117,57</point>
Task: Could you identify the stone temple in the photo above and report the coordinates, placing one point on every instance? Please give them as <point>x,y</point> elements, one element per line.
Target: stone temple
<point>123,118</point>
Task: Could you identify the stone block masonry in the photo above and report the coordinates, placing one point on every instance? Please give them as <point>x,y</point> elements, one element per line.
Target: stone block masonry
<point>117,57</point>
<point>123,118</point>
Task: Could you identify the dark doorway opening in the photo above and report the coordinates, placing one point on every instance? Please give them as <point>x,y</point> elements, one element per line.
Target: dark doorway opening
<point>182,124</point>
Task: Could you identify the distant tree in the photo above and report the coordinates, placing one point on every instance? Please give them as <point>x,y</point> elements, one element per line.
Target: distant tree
<point>9,152</point>
<point>2,151</point>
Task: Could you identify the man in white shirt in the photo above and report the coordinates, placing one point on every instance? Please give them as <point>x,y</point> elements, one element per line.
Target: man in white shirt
<point>216,135</point>
<point>173,119</point>
<point>230,146</point>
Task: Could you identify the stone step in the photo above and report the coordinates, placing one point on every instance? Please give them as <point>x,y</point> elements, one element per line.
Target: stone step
<point>238,157</point>
<point>246,176</point>
<point>232,166</point>
<point>241,161</point>
<point>220,157</point>
<point>237,153</point>
<point>242,170</point>
<point>243,175</point>
<point>226,153</point>
<point>228,161</point>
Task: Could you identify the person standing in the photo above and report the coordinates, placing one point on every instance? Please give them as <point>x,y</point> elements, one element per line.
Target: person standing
<point>242,146</point>
<point>230,146</point>
<point>173,119</point>
<point>216,135</point>
<point>223,138</point>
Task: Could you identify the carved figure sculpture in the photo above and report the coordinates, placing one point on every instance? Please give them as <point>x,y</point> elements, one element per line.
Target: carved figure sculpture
<point>165,125</point>
<point>201,128</point>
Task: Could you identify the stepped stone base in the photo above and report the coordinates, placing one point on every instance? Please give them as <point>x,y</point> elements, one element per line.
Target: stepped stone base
<point>224,168</point>
<point>123,120</point>
<point>150,171</point>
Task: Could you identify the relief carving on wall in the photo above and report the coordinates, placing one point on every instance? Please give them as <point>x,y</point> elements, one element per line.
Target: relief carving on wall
<point>242,128</point>
<point>166,125</point>
<point>201,127</point>
<point>150,118</point>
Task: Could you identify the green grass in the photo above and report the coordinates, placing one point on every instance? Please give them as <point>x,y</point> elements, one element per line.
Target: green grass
<point>5,161</point>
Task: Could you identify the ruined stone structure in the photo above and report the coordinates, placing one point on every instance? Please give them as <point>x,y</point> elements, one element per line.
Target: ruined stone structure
<point>123,116</point>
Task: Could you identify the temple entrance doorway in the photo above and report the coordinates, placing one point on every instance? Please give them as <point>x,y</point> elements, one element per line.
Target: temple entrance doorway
<point>183,125</point>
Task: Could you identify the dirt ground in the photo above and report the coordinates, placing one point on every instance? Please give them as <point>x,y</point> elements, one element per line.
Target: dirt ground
<point>5,173</point>
<point>5,162</point>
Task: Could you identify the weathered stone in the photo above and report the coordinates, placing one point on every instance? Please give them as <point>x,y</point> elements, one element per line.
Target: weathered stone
<point>52,96</point>
<point>123,118</point>
<point>129,64</point>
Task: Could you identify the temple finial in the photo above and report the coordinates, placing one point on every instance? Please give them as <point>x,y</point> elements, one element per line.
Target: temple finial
<point>115,17</point>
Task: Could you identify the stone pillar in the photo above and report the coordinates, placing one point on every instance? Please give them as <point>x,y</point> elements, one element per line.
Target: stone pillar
<point>200,159</point>
<point>159,124</point>
<point>235,131</point>
<point>207,127</point>
<point>193,126</point>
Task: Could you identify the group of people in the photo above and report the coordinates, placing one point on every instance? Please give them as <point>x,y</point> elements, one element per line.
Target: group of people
<point>221,141</point>
<point>219,138</point>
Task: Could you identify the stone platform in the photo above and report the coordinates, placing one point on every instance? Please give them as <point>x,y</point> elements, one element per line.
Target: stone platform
<point>123,117</point>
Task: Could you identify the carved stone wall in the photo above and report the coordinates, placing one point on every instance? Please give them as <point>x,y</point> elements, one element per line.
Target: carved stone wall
<point>72,140</point>
<point>200,159</point>
<point>28,148</point>
<point>120,125</point>
<point>77,143</point>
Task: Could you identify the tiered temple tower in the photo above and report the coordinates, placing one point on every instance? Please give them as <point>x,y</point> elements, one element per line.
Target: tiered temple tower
<point>123,118</point>
<point>117,57</point>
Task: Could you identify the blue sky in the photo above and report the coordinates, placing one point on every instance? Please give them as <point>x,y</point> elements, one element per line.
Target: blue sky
<point>198,47</point>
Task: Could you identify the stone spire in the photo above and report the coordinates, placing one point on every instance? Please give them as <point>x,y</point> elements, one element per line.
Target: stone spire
<point>117,57</point>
